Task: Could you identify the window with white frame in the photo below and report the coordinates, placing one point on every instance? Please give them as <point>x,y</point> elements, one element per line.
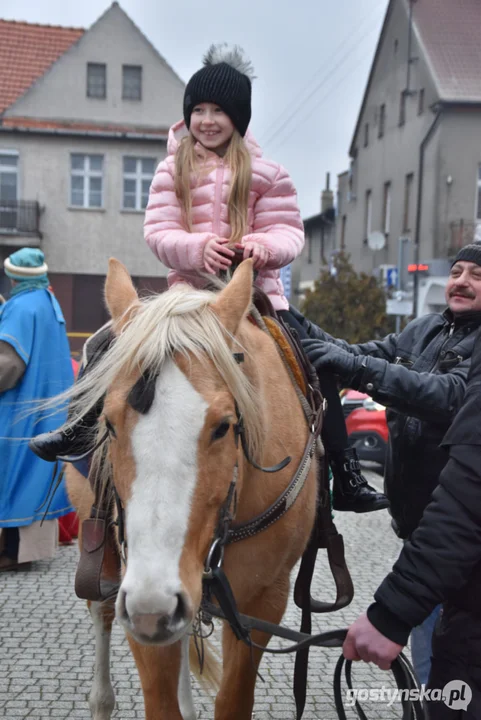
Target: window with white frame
<point>138,174</point>
<point>8,189</point>
<point>131,82</point>
<point>478,209</point>
<point>86,180</point>
<point>8,176</point>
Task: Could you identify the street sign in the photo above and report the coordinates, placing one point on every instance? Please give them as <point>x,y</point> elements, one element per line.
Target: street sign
<point>399,307</point>
<point>420,267</point>
<point>286,273</point>
<point>392,277</point>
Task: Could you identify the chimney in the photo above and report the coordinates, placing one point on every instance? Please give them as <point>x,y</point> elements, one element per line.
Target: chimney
<point>327,196</point>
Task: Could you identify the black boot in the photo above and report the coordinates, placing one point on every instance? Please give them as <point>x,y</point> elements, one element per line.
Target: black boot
<point>72,440</point>
<point>77,436</point>
<point>350,488</point>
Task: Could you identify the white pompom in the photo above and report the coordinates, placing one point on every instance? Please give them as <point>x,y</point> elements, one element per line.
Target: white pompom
<point>232,55</point>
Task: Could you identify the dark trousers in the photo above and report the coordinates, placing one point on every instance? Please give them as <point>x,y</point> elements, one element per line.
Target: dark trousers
<point>456,656</point>
<point>334,433</point>
<point>11,542</point>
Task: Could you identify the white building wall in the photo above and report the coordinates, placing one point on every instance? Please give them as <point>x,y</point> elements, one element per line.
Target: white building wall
<point>389,159</point>
<point>115,41</point>
<point>77,240</point>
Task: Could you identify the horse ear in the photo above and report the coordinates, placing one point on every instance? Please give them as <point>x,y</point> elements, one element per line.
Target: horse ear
<point>234,301</point>
<point>120,294</point>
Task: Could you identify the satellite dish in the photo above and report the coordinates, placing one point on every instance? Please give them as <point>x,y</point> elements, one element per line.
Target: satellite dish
<point>376,240</point>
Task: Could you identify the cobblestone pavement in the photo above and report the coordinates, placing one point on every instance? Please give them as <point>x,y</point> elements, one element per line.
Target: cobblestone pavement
<point>46,645</point>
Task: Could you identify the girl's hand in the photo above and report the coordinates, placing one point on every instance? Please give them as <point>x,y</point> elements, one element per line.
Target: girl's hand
<point>216,255</point>
<point>256,251</point>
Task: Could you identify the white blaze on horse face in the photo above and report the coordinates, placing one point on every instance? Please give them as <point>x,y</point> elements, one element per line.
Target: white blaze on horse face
<point>164,446</point>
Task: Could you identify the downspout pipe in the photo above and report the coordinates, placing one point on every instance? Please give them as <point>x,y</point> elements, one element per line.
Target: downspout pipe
<point>417,231</point>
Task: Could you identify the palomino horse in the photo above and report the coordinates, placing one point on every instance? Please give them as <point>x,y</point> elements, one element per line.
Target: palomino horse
<point>172,456</point>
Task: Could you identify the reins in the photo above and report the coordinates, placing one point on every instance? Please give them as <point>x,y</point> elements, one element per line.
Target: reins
<point>218,599</point>
<point>242,625</point>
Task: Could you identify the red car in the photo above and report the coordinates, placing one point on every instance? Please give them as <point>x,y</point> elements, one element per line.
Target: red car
<point>366,426</point>
<point>75,367</point>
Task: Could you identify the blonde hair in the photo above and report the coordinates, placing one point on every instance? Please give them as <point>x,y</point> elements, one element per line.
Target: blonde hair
<point>180,320</point>
<point>238,160</point>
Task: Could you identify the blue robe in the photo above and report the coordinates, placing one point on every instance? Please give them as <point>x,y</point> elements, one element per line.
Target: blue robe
<point>33,324</point>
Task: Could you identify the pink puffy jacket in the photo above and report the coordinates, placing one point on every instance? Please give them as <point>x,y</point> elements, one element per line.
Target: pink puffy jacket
<point>273,219</point>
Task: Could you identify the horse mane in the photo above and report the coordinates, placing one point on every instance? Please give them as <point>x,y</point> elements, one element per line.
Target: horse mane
<point>180,320</point>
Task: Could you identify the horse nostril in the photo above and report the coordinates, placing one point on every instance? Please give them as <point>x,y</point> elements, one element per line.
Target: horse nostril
<point>180,611</point>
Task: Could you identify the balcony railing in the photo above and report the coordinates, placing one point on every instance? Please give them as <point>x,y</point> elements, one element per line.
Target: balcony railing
<point>19,217</point>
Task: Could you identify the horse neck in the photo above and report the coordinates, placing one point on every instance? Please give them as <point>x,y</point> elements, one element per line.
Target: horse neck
<point>282,418</point>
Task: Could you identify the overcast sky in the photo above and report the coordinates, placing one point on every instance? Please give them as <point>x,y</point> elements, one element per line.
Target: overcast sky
<point>311,59</point>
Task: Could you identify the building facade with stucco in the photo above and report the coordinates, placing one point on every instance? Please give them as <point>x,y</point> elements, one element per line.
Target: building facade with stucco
<point>415,154</point>
<point>84,117</point>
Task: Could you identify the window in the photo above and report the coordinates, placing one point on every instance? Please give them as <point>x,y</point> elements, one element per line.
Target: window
<point>343,232</point>
<point>382,121</point>
<point>478,213</point>
<point>8,190</point>
<point>386,209</point>
<point>88,311</point>
<point>8,176</point>
<point>408,191</point>
<point>351,194</point>
<point>97,80</point>
<point>402,108</point>
<point>366,134</point>
<point>421,102</point>
<point>138,174</point>
<point>131,82</point>
<point>86,179</point>
<point>368,213</point>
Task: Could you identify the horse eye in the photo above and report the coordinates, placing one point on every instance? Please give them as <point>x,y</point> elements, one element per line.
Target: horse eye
<point>110,427</point>
<point>220,431</point>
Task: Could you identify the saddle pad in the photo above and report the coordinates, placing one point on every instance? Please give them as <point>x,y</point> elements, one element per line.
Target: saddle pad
<point>281,340</point>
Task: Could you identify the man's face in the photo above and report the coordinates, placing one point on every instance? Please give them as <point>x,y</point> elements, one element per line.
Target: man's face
<point>463,291</point>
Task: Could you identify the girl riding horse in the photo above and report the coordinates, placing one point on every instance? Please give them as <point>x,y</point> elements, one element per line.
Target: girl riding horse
<point>214,194</point>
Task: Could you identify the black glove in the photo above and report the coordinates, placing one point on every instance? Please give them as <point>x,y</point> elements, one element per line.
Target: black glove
<point>327,357</point>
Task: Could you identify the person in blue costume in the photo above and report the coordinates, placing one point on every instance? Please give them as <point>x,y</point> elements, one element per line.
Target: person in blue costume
<point>34,365</point>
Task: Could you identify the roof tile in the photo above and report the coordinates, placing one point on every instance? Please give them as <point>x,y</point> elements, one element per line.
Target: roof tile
<point>40,124</point>
<point>450,32</point>
<point>26,53</point>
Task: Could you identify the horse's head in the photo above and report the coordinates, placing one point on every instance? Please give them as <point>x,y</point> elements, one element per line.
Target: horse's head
<point>170,407</point>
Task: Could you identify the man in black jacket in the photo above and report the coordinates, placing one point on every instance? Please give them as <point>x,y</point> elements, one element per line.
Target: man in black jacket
<point>420,376</point>
<point>441,563</point>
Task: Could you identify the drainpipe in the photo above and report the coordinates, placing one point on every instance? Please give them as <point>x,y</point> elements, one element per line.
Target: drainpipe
<point>417,231</point>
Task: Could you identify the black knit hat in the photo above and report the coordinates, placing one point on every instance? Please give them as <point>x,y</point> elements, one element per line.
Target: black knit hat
<point>224,80</point>
<point>469,253</point>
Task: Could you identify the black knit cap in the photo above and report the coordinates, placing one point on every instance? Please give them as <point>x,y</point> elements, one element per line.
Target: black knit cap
<point>224,80</point>
<point>469,253</point>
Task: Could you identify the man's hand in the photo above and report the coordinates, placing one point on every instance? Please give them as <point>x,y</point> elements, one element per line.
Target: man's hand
<point>217,255</point>
<point>364,642</point>
<point>256,251</point>
<point>327,357</point>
